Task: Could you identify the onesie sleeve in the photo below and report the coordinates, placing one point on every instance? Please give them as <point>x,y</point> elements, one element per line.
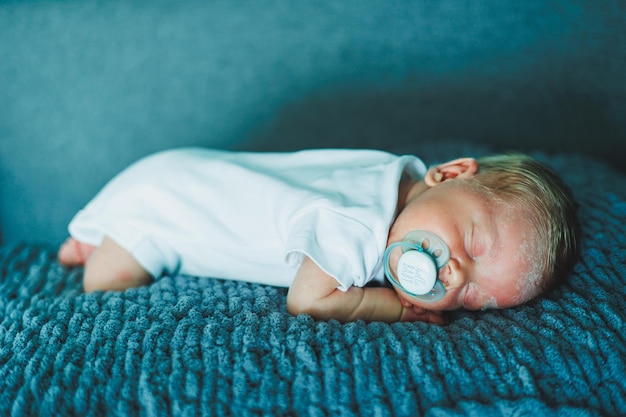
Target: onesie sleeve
<point>341,246</point>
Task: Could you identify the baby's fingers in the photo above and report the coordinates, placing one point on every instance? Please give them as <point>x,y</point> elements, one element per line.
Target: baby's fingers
<point>419,314</point>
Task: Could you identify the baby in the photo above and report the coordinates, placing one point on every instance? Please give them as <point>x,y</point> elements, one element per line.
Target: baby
<point>489,233</point>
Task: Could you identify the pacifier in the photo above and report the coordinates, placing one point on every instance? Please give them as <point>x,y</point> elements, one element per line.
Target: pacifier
<point>420,256</point>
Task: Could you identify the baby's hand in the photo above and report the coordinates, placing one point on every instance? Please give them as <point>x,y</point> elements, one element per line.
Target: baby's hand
<point>413,313</point>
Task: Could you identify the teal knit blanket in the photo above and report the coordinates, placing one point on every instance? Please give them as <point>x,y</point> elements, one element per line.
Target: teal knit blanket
<point>207,347</point>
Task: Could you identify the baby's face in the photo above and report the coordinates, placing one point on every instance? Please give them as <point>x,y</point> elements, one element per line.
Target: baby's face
<point>492,256</point>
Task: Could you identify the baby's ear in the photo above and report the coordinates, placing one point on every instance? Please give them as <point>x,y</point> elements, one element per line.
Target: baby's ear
<point>461,168</point>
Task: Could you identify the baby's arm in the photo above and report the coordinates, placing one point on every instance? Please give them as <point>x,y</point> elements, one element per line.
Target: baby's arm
<point>314,292</point>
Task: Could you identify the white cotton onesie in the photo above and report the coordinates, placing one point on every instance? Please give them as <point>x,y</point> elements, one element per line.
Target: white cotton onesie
<point>252,216</point>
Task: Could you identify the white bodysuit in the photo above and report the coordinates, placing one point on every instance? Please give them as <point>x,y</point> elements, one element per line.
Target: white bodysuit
<point>252,216</point>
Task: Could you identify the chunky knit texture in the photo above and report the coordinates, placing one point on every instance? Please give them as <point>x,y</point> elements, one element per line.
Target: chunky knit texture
<point>190,347</point>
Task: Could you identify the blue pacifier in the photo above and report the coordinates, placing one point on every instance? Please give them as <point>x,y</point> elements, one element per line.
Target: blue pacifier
<point>419,257</point>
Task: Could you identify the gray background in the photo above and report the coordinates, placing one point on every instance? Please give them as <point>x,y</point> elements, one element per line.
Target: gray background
<point>87,87</point>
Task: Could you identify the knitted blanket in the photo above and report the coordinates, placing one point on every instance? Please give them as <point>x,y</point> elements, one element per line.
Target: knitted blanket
<point>209,347</point>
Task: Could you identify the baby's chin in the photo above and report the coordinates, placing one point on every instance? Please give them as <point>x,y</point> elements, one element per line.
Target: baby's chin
<point>448,303</point>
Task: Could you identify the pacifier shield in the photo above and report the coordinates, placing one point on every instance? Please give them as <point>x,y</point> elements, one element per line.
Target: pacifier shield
<point>430,243</point>
<point>419,257</point>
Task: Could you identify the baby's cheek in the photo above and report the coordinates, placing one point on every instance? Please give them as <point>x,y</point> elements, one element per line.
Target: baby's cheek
<point>490,303</point>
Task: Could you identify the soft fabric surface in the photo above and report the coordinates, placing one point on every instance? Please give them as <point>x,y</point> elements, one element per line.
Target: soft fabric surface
<point>209,347</point>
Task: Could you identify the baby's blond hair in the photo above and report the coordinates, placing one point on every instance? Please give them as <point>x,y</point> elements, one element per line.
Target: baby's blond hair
<point>518,179</point>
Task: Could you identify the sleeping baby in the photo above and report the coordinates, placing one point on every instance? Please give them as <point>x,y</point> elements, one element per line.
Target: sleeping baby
<point>489,233</point>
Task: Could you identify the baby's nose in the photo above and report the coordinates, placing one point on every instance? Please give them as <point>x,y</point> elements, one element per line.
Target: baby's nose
<point>452,275</point>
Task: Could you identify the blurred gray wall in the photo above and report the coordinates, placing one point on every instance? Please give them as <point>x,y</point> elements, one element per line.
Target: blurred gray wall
<point>86,87</point>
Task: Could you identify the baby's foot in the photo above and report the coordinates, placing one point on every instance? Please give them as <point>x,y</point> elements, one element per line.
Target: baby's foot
<point>74,253</point>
